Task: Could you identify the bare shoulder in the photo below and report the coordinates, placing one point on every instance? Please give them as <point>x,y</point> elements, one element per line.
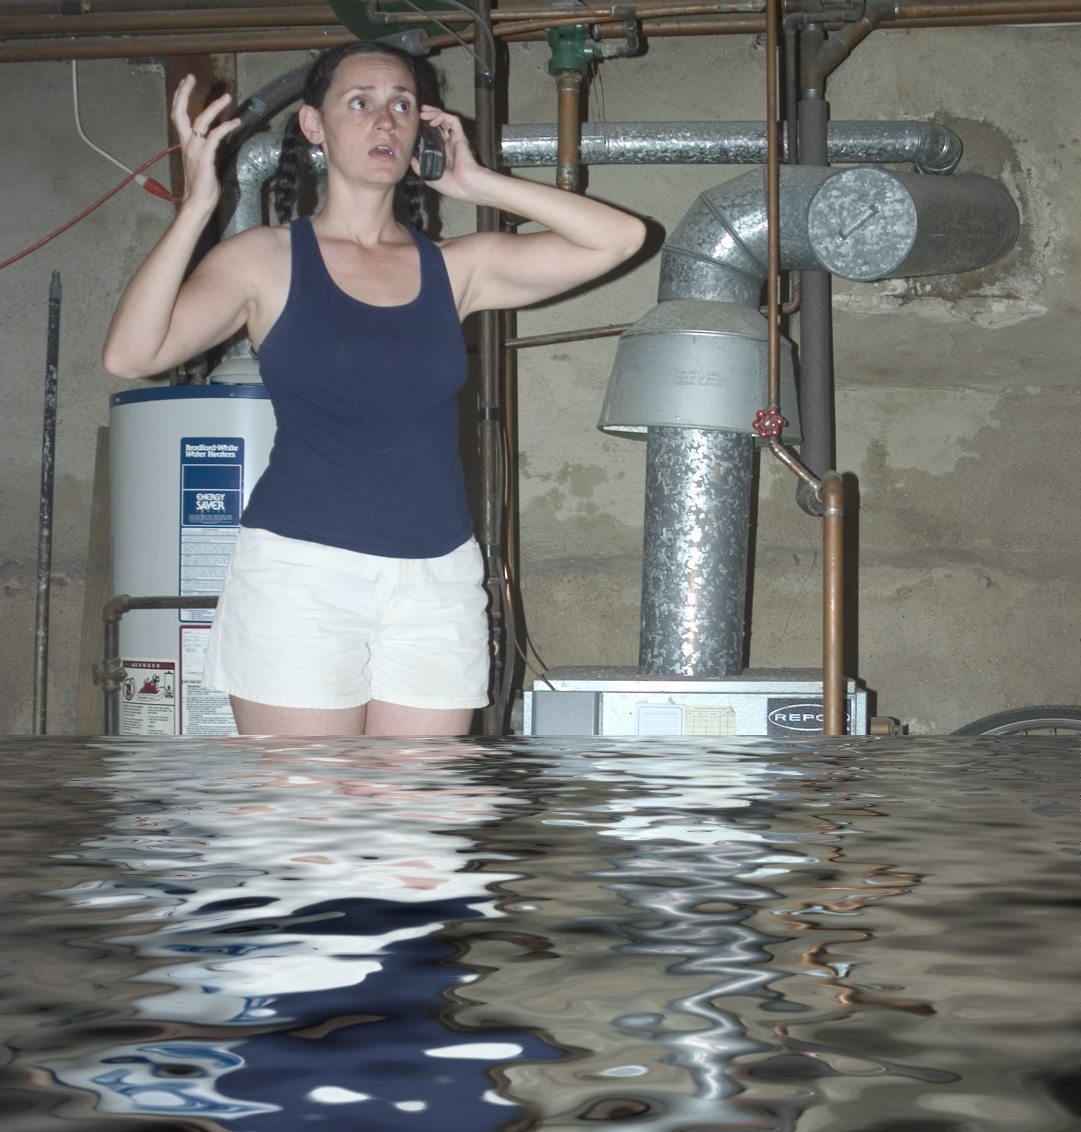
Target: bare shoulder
<point>254,254</point>
<point>252,269</point>
<point>468,245</point>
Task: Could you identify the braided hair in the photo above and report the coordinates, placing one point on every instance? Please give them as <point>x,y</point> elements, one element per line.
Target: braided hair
<point>283,184</point>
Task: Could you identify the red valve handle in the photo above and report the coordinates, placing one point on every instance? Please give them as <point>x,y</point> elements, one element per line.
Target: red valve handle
<point>769,423</point>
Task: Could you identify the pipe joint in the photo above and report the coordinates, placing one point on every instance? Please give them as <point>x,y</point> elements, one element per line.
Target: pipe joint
<point>571,47</point>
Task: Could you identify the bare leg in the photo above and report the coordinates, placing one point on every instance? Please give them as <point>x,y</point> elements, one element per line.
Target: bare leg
<point>390,720</point>
<point>265,719</point>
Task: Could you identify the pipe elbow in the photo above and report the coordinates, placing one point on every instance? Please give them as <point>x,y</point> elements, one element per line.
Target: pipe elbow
<point>939,150</point>
<point>832,494</point>
<point>717,250</point>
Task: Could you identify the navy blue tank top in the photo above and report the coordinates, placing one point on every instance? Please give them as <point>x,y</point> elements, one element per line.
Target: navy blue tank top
<point>365,456</point>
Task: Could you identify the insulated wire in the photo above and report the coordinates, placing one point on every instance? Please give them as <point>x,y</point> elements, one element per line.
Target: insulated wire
<point>89,209</point>
<point>478,22</point>
<point>510,582</point>
<point>147,183</point>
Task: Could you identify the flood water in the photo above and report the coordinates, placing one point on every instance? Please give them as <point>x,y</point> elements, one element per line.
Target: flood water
<point>861,935</point>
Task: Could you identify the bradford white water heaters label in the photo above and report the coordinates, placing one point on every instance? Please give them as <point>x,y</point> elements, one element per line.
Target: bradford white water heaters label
<point>211,500</point>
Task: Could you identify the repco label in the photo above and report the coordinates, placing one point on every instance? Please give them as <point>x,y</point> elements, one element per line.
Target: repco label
<point>795,717</point>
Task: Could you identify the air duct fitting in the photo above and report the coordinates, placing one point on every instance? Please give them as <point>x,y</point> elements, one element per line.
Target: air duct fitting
<point>695,364</point>
<point>867,224</point>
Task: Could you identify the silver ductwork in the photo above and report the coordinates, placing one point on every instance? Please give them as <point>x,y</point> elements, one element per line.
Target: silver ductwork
<point>714,356</point>
<point>930,147</point>
<point>698,498</point>
<point>868,224</point>
<point>691,373</point>
<point>255,164</point>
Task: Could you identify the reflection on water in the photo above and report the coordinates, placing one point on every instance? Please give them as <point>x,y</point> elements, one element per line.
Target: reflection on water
<point>845,935</point>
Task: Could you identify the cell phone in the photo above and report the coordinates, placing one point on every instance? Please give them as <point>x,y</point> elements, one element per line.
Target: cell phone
<point>430,153</point>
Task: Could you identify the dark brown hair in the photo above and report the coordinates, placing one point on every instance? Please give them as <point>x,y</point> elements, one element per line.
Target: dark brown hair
<point>283,185</point>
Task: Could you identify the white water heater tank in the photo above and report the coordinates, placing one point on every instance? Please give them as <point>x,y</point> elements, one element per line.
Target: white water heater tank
<point>183,461</point>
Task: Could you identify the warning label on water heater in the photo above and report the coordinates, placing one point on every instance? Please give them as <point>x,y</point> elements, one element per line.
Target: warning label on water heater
<point>211,500</point>
<point>201,712</point>
<point>148,698</point>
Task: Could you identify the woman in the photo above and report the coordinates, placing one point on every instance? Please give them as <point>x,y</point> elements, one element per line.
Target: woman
<point>354,603</point>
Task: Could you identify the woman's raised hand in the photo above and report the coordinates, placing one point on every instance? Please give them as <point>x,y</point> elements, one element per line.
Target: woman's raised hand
<point>199,141</point>
<point>458,180</point>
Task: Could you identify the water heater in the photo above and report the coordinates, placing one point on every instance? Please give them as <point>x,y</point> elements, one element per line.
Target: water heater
<point>183,461</point>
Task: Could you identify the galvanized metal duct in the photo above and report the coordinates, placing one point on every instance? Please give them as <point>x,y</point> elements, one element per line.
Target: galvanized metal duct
<point>696,364</point>
<point>698,497</point>
<point>932,148</point>
<point>255,164</point>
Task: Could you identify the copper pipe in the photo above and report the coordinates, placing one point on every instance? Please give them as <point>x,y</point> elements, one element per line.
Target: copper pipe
<point>801,472</point>
<point>773,214</point>
<point>755,25</point>
<point>566,336</point>
<point>568,130</point>
<point>65,7</point>
<point>266,14</point>
<point>287,39</point>
<point>556,17</point>
<point>150,46</point>
<point>44,48</point>
<point>991,20</point>
<point>833,498</point>
<point>98,23</point>
<point>530,9</point>
<point>922,10</point>
<point>660,26</point>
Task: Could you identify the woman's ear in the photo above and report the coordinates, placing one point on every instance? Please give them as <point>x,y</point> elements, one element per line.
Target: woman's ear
<point>311,124</point>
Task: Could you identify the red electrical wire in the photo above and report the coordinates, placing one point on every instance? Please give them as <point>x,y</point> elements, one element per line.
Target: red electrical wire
<point>97,204</point>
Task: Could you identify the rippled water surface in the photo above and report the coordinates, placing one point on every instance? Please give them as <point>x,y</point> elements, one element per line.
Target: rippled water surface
<point>860,935</point>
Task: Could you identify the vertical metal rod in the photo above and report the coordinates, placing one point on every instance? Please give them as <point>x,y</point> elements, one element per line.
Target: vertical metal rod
<point>833,515</point>
<point>815,326</point>
<point>45,517</point>
<point>773,213</point>
<point>112,665</point>
<point>488,358</point>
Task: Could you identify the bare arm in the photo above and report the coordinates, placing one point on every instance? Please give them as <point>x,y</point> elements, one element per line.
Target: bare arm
<point>162,319</point>
<point>493,270</point>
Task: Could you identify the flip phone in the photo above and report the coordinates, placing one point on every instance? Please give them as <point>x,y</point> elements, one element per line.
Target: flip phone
<point>429,152</point>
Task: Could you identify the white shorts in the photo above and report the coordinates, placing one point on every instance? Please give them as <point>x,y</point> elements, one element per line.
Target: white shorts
<point>303,625</point>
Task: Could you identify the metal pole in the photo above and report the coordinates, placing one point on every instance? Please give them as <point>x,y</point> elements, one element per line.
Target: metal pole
<point>833,518</point>
<point>488,357</point>
<point>45,516</point>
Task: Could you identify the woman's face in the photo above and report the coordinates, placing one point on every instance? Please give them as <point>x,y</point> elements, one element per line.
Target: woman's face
<point>367,125</point>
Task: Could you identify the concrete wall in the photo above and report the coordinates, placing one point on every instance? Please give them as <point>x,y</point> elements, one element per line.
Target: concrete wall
<point>957,396</point>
